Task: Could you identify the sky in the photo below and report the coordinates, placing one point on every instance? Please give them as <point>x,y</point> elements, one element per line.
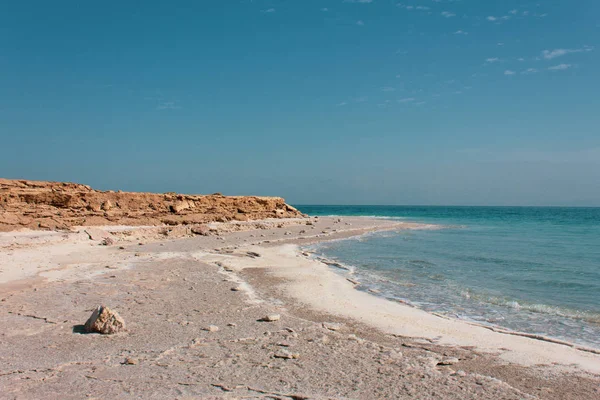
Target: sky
<point>439,102</point>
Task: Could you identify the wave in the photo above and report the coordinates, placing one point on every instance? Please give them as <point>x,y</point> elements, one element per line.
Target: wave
<point>537,308</point>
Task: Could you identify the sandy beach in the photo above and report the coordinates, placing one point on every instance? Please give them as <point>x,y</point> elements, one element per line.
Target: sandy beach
<point>195,309</point>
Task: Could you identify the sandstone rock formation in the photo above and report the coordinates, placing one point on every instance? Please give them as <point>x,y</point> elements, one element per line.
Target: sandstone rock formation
<point>106,321</point>
<point>56,205</point>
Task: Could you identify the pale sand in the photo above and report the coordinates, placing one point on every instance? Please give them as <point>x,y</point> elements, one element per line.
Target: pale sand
<point>315,284</point>
<point>54,276</point>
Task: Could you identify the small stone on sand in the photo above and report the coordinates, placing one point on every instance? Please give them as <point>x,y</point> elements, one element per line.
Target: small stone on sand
<point>212,328</point>
<point>105,321</point>
<point>332,326</point>
<point>272,318</point>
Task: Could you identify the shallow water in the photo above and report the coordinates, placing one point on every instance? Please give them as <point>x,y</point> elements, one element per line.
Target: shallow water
<point>530,269</point>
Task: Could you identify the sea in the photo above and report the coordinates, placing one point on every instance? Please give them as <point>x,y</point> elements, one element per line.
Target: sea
<point>527,269</point>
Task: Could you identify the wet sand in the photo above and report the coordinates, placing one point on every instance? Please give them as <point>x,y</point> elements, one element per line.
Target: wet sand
<point>331,341</point>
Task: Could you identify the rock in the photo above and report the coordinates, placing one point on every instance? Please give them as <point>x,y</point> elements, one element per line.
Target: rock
<point>105,321</point>
<point>302,232</point>
<point>309,222</point>
<point>212,328</point>
<point>200,230</point>
<point>253,254</point>
<point>272,318</point>
<point>236,289</point>
<point>232,324</point>
<point>58,205</point>
<point>180,206</point>
<point>460,372</point>
<point>107,242</point>
<point>107,205</point>
<point>355,338</point>
<point>97,233</point>
<point>286,354</point>
<point>130,361</point>
<point>332,326</point>
<point>449,361</point>
<point>374,291</point>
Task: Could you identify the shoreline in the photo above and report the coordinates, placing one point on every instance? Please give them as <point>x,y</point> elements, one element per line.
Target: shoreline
<point>168,287</point>
<point>303,277</point>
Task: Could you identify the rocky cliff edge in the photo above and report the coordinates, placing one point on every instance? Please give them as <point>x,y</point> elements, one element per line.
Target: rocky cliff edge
<point>61,205</point>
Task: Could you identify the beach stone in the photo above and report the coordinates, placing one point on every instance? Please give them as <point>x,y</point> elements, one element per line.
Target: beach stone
<point>131,361</point>
<point>332,326</point>
<point>105,321</point>
<point>236,289</point>
<point>286,355</point>
<point>272,318</point>
<point>107,242</point>
<point>449,361</point>
<point>97,233</point>
<point>212,328</point>
<point>200,230</point>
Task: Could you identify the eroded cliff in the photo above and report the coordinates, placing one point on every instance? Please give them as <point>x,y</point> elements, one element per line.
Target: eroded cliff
<point>58,205</point>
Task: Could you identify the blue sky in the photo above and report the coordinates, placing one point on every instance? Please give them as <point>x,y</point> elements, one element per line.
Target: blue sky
<point>331,101</point>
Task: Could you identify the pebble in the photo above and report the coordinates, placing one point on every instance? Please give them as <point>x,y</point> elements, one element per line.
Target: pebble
<point>272,318</point>
<point>236,289</point>
<point>212,328</point>
<point>286,355</point>
<point>332,326</point>
<point>449,361</point>
<point>130,361</point>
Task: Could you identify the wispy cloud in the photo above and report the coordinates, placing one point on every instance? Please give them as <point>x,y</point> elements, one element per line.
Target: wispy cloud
<point>448,14</point>
<point>343,103</point>
<point>388,89</point>
<point>360,23</point>
<point>492,60</point>
<point>529,71</point>
<point>269,10</point>
<point>358,1</point>
<point>492,18</point>
<point>550,54</point>
<point>406,100</point>
<point>461,32</point>
<point>168,105</point>
<point>509,72</point>
<point>560,67</point>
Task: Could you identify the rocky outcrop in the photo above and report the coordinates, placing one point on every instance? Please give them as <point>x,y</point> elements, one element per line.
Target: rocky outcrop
<point>57,205</point>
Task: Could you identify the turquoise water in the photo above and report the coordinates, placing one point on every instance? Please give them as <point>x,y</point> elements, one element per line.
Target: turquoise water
<point>529,269</point>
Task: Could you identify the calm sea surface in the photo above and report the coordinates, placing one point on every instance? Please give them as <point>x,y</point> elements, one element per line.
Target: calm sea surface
<point>532,269</point>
